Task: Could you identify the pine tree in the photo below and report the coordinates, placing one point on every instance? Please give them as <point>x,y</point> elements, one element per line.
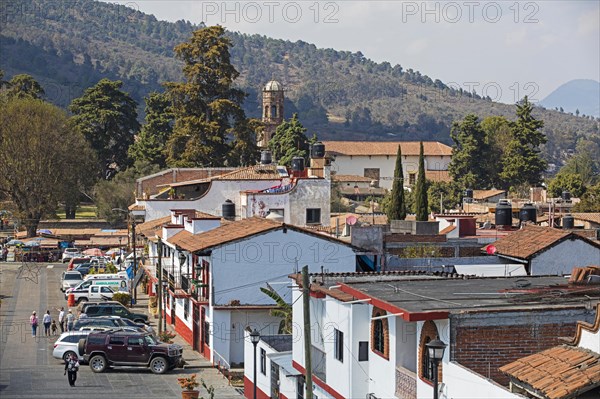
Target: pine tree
<point>421,200</point>
<point>397,208</point>
<point>522,163</point>
<point>289,141</point>
<point>469,149</point>
<point>209,119</point>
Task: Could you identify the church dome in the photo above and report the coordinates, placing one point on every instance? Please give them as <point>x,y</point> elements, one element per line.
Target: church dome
<point>273,85</point>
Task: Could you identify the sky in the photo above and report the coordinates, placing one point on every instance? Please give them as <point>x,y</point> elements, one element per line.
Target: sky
<point>504,49</point>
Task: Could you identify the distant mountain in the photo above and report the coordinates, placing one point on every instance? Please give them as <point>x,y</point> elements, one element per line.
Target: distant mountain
<point>69,46</point>
<point>579,94</point>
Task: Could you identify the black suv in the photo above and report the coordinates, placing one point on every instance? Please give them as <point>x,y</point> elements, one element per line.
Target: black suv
<point>120,348</point>
<point>115,310</point>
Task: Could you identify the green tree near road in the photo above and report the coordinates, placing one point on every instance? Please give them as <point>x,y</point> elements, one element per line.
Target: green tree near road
<point>522,162</point>
<point>42,156</point>
<point>396,208</point>
<point>421,200</point>
<point>209,119</point>
<point>289,141</point>
<point>107,116</point>
<point>150,143</point>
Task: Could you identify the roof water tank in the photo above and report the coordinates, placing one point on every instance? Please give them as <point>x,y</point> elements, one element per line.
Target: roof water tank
<point>568,222</point>
<point>297,164</point>
<point>504,214</point>
<point>469,193</point>
<point>317,150</point>
<point>228,210</point>
<point>265,157</point>
<point>528,213</point>
<point>566,195</point>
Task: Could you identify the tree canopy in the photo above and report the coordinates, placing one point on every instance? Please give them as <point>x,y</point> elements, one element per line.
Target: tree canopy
<point>396,209</point>
<point>42,157</point>
<point>470,148</point>
<point>209,119</point>
<point>24,86</point>
<point>107,116</point>
<point>289,141</point>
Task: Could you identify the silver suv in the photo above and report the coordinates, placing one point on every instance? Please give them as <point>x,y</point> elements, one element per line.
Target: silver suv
<point>70,253</point>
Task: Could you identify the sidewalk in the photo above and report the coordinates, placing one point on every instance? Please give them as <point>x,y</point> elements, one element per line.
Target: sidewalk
<point>193,360</point>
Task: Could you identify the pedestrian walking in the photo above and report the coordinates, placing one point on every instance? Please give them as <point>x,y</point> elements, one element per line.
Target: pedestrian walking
<point>71,368</point>
<point>33,320</point>
<point>47,320</point>
<point>61,319</point>
<point>70,320</point>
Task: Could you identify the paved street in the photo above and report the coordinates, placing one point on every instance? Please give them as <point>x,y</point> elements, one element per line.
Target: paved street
<point>28,370</point>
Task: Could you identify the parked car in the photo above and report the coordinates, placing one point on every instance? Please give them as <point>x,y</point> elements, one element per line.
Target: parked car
<point>94,292</point>
<point>115,310</point>
<point>70,253</point>
<point>107,322</point>
<point>85,305</point>
<point>120,348</point>
<point>70,279</point>
<point>67,343</point>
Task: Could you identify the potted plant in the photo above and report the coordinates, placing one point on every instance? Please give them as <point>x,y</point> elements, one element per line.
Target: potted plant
<point>166,337</point>
<point>189,385</point>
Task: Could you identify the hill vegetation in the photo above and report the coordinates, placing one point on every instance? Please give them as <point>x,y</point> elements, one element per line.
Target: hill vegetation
<point>70,46</point>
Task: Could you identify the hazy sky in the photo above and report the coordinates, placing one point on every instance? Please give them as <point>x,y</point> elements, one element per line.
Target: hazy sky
<point>504,49</point>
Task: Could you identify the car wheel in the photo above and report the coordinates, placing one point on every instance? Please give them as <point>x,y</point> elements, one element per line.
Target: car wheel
<point>98,364</point>
<point>82,300</point>
<point>67,355</point>
<point>159,365</point>
<point>81,347</point>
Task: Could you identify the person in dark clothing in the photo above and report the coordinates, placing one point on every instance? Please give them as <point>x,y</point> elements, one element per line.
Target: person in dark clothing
<point>71,368</point>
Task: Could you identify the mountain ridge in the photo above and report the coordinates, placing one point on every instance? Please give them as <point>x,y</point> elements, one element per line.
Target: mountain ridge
<point>338,94</point>
<point>581,95</point>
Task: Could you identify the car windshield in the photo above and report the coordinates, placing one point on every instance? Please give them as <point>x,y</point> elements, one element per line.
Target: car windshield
<point>150,340</point>
<point>73,276</point>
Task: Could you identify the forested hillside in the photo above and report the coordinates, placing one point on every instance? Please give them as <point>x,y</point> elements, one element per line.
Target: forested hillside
<point>69,46</point>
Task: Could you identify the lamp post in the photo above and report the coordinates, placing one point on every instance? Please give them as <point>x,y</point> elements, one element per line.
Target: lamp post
<point>159,292</point>
<point>435,350</point>
<point>254,338</point>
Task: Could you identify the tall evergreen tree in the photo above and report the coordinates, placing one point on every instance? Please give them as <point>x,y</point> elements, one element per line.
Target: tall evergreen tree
<point>150,143</point>
<point>23,86</point>
<point>209,119</point>
<point>289,141</point>
<point>470,148</point>
<point>421,200</point>
<point>522,163</point>
<point>397,207</point>
<point>107,116</point>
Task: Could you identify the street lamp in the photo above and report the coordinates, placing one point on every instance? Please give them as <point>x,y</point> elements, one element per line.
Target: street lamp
<point>435,349</point>
<point>254,338</point>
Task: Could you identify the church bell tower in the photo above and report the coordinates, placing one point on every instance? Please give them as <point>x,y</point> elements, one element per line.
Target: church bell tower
<point>272,115</point>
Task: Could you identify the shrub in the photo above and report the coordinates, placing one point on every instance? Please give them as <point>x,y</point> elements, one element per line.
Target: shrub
<point>122,297</point>
<point>166,337</point>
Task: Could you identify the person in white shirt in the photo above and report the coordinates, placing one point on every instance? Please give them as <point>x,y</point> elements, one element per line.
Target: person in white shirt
<point>47,320</point>
<point>61,319</point>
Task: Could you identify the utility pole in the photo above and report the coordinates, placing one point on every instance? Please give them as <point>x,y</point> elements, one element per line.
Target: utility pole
<point>159,295</point>
<point>307,332</point>
<point>134,261</point>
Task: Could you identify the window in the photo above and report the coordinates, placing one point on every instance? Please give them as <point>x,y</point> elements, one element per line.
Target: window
<point>117,340</point>
<point>412,178</point>
<point>136,341</point>
<point>426,364</point>
<point>300,387</point>
<point>186,304</point>
<point>263,361</point>
<point>313,216</point>
<point>206,332</point>
<point>380,333</point>
<point>363,351</point>
<point>372,173</point>
<point>429,332</point>
<point>338,345</point>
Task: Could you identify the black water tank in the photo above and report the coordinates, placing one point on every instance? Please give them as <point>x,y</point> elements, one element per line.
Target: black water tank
<point>317,150</point>
<point>265,157</point>
<point>504,214</point>
<point>469,193</point>
<point>568,222</point>
<point>528,213</point>
<point>566,195</point>
<point>297,164</point>
<point>228,210</point>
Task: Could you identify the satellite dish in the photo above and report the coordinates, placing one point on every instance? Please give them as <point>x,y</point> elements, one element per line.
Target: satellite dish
<point>490,249</point>
<point>351,220</point>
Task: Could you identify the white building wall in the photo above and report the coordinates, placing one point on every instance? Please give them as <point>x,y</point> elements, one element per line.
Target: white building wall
<point>220,322</point>
<point>590,340</point>
<point>425,390</point>
<point>382,372</point>
<point>355,165</point>
<point>263,380</point>
<point>339,375</point>
<point>462,383</point>
<point>240,320</point>
<point>271,257</point>
<point>360,331</point>
<point>406,344</point>
<point>559,259</point>
<point>180,312</point>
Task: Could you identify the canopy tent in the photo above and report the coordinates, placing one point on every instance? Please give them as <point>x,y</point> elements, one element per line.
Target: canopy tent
<point>93,252</point>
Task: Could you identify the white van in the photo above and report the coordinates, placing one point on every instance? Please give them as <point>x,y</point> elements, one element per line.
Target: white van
<point>117,284</point>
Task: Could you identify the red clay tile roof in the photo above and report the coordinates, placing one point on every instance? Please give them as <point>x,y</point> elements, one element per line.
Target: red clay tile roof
<point>448,229</point>
<point>559,372</point>
<point>438,175</point>
<point>581,274</point>
<point>350,178</point>
<point>531,240</point>
<point>256,172</point>
<point>148,228</point>
<point>588,217</point>
<point>484,194</point>
<point>386,148</point>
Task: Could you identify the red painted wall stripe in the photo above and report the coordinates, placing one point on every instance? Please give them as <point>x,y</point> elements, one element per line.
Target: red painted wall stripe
<point>319,382</point>
<point>249,390</point>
